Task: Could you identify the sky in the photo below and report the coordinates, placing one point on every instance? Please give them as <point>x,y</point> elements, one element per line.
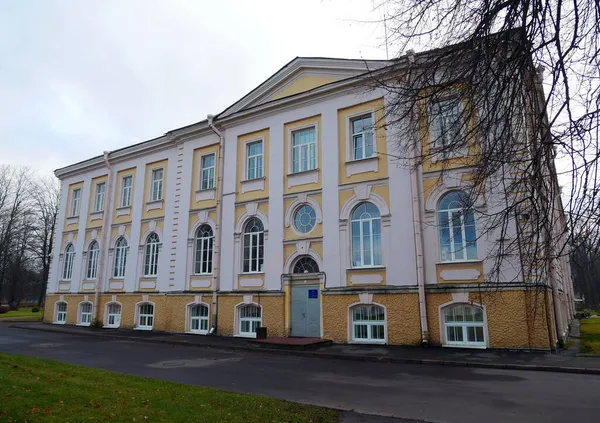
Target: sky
<point>78,77</point>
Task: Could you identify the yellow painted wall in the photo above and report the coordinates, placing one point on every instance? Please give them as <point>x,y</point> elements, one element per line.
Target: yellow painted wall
<point>92,201</point>
<point>440,267</point>
<point>273,313</point>
<point>289,232</point>
<point>88,237</point>
<point>344,196</point>
<point>377,107</point>
<point>198,153</point>
<point>241,165</point>
<point>241,209</point>
<point>292,126</point>
<point>303,83</point>
<point>72,187</point>
<point>146,227</point>
<point>153,214</point>
<point>119,220</point>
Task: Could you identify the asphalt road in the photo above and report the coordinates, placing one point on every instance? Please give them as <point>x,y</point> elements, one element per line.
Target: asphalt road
<point>408,391</point>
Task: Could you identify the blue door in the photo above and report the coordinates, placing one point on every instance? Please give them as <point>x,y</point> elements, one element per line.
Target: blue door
<point>306,311</point>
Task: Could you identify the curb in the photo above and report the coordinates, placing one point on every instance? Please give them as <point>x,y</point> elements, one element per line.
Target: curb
<point>327,355</point>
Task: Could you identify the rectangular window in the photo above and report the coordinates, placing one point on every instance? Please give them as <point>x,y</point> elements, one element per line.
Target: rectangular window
<point>254,160</point>
<point>207,174</point>
<point>445,122</point>
<point>100,193</point>
<point>75,200</point>
<point>362,137</point>
<point>157,185</point>
<point>304,150</point>
<point>126,186</point>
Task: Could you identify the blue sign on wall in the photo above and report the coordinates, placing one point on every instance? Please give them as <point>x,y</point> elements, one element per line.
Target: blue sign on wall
<point>313,293</point>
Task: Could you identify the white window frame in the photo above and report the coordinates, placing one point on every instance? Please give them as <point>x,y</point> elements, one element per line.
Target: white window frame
<point>99,197</point>
<point>438,132</point>
<point>368,323</point>
<point>120,262</point>
<point>203,169</point>
<point>67,273</point>
<point>151,255</point>
<point>253,322</point>
<point>157,184</point>
<point>260,169</point>
<point>463,251</point>
<point>145,317</point>
<point>199,319</point>
<point>85,318</point>
<point>75,202</point>
<point>254,245</point>
<point>60,315</point>
<point>351,118</point>
<point>92,261</point>
<point>371,238</point>
<point>116,317</point>
<point>463,325</point>
<point>293,148</point>
<point>297,230</point>
<point>126,191</point>
<point>203,242</point>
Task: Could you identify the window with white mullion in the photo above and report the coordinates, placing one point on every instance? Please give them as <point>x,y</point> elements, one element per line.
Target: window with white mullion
<point>362,137</point>
<point>126,185</point>
<point>254,163</point>
<point>61,312</point>
<point>100,193</point>
<point>199,318</point>
<point>121,250</point>
<point>204,250</point>
<point>253,246</point>
<point>157,185</point>
<point>152,250</point>
<point>114,314</point>
<point>75,200</point>
<point>85,314</point>
<point>304,148</point>
<point>207,177</point>
<point>68,263</point>
<point>146,316</point>
<point>366,236</point>
<point>457,228</point>
<point>93,253</point>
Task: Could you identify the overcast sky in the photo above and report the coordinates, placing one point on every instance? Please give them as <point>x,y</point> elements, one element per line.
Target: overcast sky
<point>80,77</point>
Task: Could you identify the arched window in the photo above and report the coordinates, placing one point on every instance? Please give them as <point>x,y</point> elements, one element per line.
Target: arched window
<point>368,323</point>
<point>92,264</point>
<point>250,318</point>
<point>113,312</point>
<point>68,264</point>
<point>199,318</point>
<point>457,228</point>
<point>151,262</point>
<point>366,236</point>
<point>61,312</point>
<point>254,246</point>
<point>85,314</point>
<point>204,250</point>
<point>120,258</point>
<point>145,316</point>
<point>305,264</point>
<point>464,325</point>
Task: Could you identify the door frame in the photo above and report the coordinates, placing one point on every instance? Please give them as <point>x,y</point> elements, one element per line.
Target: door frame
<point>316,279</point>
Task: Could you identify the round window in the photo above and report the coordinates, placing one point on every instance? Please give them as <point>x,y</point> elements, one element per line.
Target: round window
<point>305,219</point>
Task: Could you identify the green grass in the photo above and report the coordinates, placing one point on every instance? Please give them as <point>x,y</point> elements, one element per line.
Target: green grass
<point>22,314</point>
<point>590,336</point>
<point>35,390</point>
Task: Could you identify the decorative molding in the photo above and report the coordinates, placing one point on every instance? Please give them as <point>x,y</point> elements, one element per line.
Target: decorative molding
<point>303,178</point>
<point>257,184</point>
<point>86,299</point>
<point>362,279</point>
<point>460,297</point>
<point>64,286</point>
<point>200,283</point>
<point>113,298</point>
<point>123,211</point>
<point>370,164</point>
<point>251,209</point>
<point>121,230</point>
<point>154,205</point>
<point>248,299</point>
<point>97,215</point>
<point>362,192</point>
<point>197,299</point>
<point>203,216</point>
<point>460,274</point>
<point>73,220</point>
<point>145,298</point>
<point>94,234</point>
<point>70,237</point>
<point>250,282</point>
<point>365,298</point>
<point>116,285</point>
<point>88,286</point>
<point>302,198</point>
<point>303,246</point>
<point>152,225</point>
<point>205,194</point>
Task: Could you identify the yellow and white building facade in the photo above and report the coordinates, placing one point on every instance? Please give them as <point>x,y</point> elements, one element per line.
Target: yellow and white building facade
<point>289,211</point>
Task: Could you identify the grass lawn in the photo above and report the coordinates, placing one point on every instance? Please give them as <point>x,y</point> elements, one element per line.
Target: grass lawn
<point>590,336</point>
<point>34,390</point>
<point>22,314</point>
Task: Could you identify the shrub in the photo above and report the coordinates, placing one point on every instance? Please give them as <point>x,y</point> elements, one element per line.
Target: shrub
<point>4,309</point>
<point>35,309</point>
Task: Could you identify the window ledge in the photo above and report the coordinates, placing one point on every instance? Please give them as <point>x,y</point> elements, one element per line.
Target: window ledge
<point>110,327</point>
<point>122,211</point>
<point>138,328</point>
<point>257,184</point>
<point>205,194</point>
<point>97,215</point>
<point>460,261</point>
<point>366,268</point>
<point>251,273</point>
<point>191,332</point>
<point>72,220</point>
<point>303,178</point>
<point>154,205</point>
<point>83,324</point>
<point>368,164</point>
<point>59,323</point>
<point>243,335</point>
<point>446,153</point>
<point>479,347</point>
<point>368,342</point>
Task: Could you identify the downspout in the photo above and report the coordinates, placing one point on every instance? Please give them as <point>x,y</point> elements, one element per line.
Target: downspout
<point>108,196</point>
<point>217,238</point>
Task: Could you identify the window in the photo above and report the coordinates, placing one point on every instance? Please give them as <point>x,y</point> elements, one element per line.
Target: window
<point>68,264</point>
<point>250,319</point>
<point>368,323</point>
<point>126,186</point>
<point>207,174</point>
<point>199,318</point>
<point>151,262</point>
<point>100,193</point>
<point>254,240</point>
<point>114,315</point>
<point>157,185</point>
<point>457,228</point>
<point>146,316</point>
<point>254,165</point>
<point>463,325</point>
<point>85,314</point>
<point>204,250</point>
<point>305,219</point>
<point>120,258</point>
<point>92,265</point>
<point>75,200</point>
<point>445,121</point>
<point>61,312</point>
<point>305,264</point>
<point>304,150</point>
<point>362,137</point>
<point>366,236</point>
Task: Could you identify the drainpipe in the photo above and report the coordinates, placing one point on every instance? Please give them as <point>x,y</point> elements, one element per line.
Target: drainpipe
<point>217,238</point>
<point>108,196</point>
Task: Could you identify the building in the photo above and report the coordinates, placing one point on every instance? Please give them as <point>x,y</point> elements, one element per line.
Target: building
<point>287,211</point>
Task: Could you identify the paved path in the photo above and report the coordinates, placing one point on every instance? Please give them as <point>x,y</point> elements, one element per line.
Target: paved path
<point>420,392</point>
